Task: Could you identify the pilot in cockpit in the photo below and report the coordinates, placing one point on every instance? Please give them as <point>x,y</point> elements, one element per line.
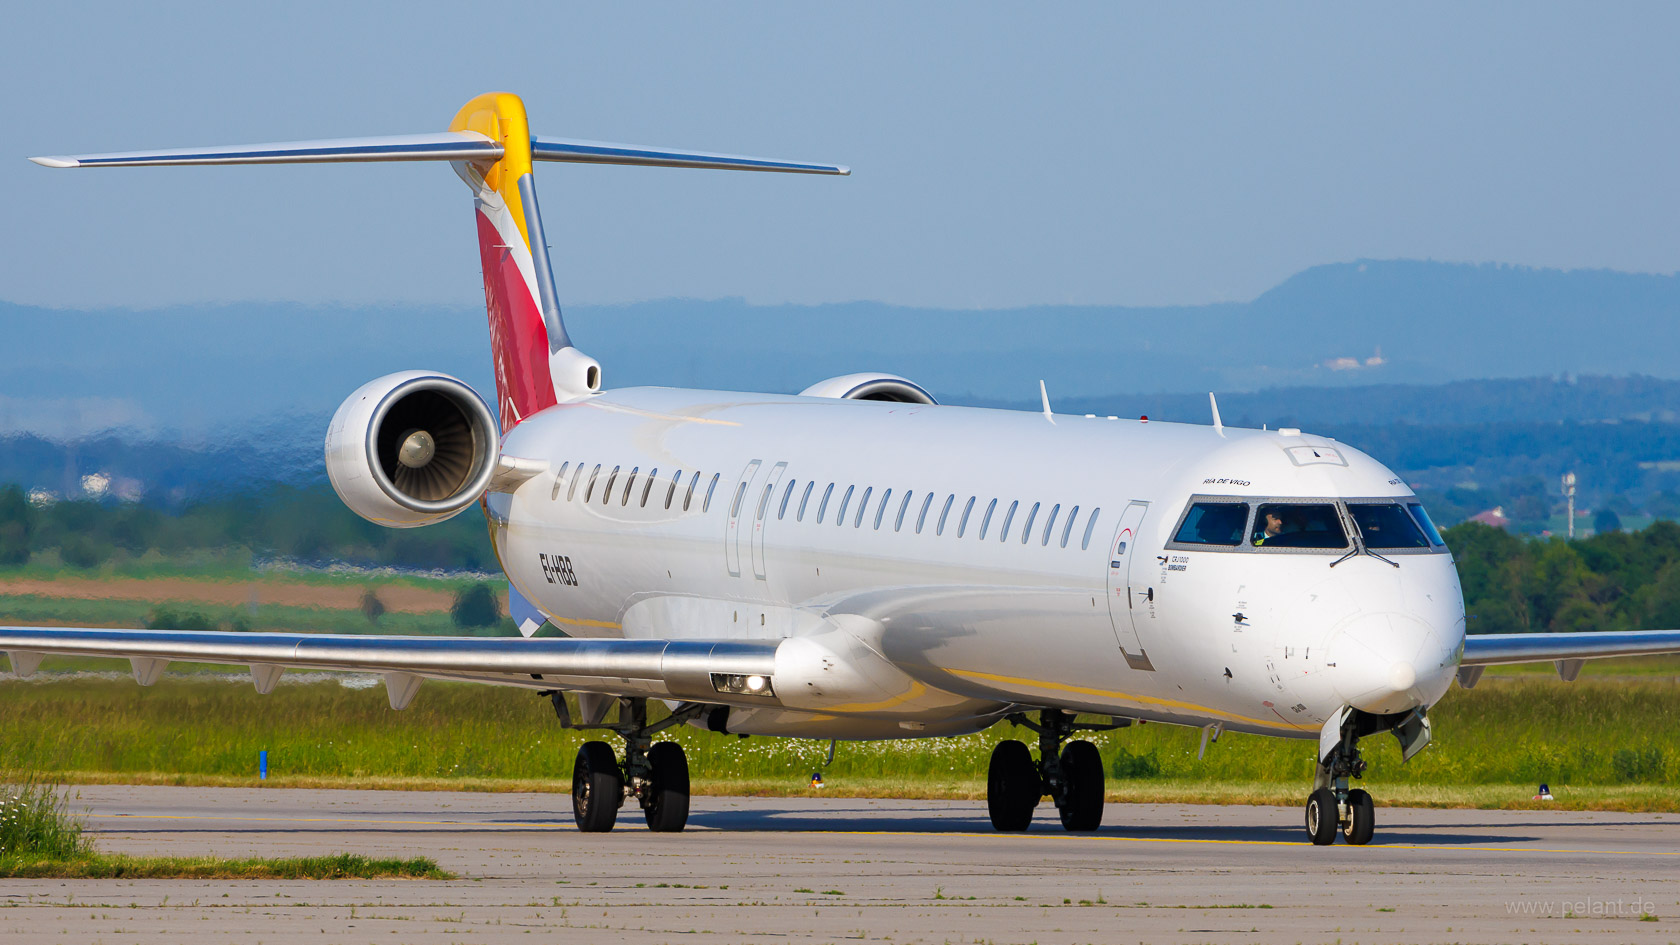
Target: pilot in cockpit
<point>1273,526</point>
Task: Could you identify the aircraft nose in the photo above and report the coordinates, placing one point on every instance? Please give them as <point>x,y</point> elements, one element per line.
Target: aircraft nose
<point>1390,662</point>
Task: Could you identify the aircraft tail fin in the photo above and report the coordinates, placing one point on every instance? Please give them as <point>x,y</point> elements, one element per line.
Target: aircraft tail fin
<point>490,145</point>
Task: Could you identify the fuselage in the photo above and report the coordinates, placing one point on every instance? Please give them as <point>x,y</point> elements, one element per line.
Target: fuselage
<point>962,561</point>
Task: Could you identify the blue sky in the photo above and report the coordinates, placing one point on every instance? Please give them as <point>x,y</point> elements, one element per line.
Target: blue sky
<point>1004,154</point>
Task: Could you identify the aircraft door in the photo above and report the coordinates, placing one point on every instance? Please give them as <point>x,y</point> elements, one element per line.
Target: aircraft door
<point>1120,591</point>
<point>766,505</point>
<point>738,506</point>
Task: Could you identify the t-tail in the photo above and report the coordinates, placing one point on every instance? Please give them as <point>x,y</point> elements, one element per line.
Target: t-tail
<point>491,147</point>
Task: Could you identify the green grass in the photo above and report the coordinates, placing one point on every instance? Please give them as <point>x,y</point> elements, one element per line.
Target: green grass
<point>1508,734</point>
<point>27,609</point>
<point>118,866</point>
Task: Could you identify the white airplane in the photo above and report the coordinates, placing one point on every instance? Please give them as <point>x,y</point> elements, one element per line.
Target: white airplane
<point>859,562</point>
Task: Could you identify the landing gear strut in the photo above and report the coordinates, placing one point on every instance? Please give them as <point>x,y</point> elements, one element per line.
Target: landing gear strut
<point>1072,775</point>
<point>1332,807</point>
<point>654,773</point>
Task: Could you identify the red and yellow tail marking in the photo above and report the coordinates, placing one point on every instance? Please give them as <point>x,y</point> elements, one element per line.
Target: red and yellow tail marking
<point>518,337</point>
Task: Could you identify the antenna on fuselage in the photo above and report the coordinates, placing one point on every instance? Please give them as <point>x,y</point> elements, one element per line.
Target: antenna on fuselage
<point>1218,425</point>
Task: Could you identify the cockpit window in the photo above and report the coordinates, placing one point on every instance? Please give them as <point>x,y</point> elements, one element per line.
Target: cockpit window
<point>1297,525</point>
<point>1427,524</point>
<point>1213,523</point>
<point>1386,525</point>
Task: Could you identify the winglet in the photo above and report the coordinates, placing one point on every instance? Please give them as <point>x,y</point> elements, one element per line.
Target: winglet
<point>1218,425</point>
<point>1045,396</point>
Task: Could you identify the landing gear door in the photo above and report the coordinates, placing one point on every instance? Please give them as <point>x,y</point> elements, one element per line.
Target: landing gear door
<point>1121,594</point>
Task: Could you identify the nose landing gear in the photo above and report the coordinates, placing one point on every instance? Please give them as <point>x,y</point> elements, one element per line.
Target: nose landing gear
<point>1071,775</point>
<point>1333,807</point>
<point>654,773</point>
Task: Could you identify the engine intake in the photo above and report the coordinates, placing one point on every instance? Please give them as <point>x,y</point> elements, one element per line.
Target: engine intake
<point>887,387</point>
<point>411,448</point>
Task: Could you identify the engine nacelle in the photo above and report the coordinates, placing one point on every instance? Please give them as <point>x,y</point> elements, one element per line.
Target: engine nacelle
<point>411,448</point>
<point>888,387</point>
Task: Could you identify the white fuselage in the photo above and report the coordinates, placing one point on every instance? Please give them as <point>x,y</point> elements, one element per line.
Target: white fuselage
<point>947,563</point>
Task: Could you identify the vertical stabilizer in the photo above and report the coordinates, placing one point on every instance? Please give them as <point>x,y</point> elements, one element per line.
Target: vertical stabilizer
<point>534,362</point>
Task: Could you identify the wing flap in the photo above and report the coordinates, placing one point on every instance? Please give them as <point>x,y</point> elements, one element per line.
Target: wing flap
<point>1495,648</point>
<point>681,669</point>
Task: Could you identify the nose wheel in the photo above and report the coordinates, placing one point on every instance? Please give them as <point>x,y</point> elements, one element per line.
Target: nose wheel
<point>1333,807</point>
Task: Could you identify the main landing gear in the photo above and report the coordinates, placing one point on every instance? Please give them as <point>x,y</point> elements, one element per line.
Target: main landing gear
<point>1072,775</point>
<point>654,773</point>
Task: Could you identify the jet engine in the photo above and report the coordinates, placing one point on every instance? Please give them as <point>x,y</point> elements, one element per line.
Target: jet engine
<point>888,387</point>
<point>411,448</point>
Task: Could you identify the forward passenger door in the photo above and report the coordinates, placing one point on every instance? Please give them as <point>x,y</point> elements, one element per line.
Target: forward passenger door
<point>1120,590</point>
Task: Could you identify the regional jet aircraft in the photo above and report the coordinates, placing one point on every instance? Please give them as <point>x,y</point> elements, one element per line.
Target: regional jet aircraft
<point>860,562</point>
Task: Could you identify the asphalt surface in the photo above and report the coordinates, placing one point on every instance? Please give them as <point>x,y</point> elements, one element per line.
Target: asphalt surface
<point>830,870</point>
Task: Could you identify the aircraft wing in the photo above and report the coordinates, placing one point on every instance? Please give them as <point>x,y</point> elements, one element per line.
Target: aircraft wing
<point>712,671</point>
<point>1567,650</point>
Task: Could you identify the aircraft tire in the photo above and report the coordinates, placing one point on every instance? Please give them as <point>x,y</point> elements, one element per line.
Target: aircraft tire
<point>1013,787</point>
<point>1082,773</point>
<point>597,788</point>
<point>1362,817</point>
<point>666,805</point>
<point>1322,817</point>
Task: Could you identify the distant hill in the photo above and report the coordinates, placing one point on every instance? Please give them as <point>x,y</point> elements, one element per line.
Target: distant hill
<point>206,370</point>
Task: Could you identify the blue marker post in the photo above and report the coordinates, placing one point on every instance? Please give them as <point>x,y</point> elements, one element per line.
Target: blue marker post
<point>262,765</point>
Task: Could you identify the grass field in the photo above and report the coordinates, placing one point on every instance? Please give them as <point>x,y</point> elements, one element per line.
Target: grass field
<point>1600,742</point>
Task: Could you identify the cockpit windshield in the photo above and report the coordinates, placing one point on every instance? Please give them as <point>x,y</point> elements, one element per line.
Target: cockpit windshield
<point>1297,525</point>
<point>1386,526</point>
<point>1306,526</point>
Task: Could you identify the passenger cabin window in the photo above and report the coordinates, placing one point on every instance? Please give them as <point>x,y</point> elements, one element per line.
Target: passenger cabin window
<point>559,480</point>
<point>671,493</point>
<point>1008,517</point>
<point>863,506</point>
<point>804,500</point>
<point>577,474</point>
<point>706,506</point>
<point>986,522</point>
<point>921,517</point>
<point>606,491</point>
<point>1050,524</point>
<point>1090,527</point>
<point>944,513</point>
<point>764,501</point>
<point>781,511</point>
<point>1026,527</point>
<point>1298,525</point>
<point>881,513</point>
<point>1067,530</point>
<point>962,525</point>
<point>735,506</point>
<point>822,506</point>
<point>845,500</point>
<point>590,489</point>
<point>630,485</point>
<point>647,489</point>
<point>689,495</point>
<point>1386,526</point>
<point>1214,523</point>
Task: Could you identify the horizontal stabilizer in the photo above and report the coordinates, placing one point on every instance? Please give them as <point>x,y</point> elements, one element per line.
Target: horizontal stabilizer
<point>575,151</point>
<point>439,146</point>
